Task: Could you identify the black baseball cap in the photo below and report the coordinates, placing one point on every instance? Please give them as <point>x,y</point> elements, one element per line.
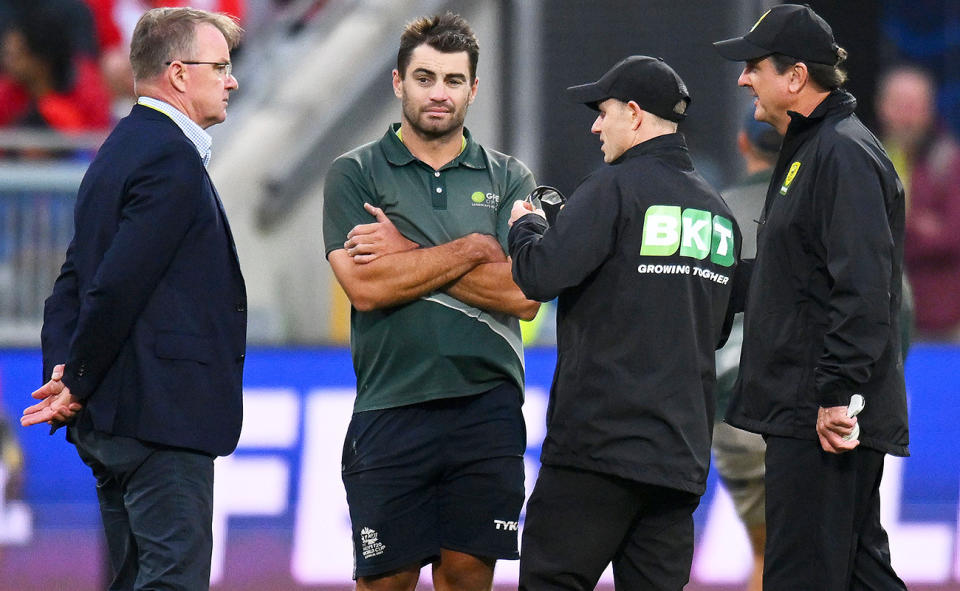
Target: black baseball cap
<point>648,81</point>
<point>791,29</point>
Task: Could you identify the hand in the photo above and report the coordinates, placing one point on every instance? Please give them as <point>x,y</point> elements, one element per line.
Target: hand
<point>522,208</point>
<point>57,403</point>
<point>832,425</point>
<point>368,242</point>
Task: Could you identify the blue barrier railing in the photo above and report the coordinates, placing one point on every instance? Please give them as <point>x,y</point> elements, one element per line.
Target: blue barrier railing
<point>36,225</point>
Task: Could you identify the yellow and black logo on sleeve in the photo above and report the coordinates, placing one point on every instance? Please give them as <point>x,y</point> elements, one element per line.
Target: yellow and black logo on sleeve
<point>791,174</point>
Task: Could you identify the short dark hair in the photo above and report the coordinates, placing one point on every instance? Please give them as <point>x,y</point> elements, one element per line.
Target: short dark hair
<point>824,76</point>
<point>448,33</point>
<point>47,37</point>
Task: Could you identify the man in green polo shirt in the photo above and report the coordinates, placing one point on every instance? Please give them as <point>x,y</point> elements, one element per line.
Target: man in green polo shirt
<point>415,229</point>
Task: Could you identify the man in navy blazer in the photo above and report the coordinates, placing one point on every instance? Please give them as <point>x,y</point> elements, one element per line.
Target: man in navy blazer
<point>145,333</point>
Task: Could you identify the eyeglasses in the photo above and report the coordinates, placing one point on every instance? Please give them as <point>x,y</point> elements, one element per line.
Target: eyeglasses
<point>224,69</point>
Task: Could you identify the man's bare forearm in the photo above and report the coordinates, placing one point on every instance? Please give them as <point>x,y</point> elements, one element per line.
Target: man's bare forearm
<point>405,276</point>
<point>490,286</point>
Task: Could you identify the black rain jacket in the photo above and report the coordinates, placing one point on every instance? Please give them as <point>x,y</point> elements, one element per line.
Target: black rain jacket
<point>632,395</point>
<point>822,319</point>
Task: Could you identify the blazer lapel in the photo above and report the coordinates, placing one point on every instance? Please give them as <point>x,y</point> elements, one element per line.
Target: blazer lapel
<point>223,216</point>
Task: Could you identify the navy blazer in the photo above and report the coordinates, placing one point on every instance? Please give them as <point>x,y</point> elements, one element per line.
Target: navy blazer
<point>149,310</point>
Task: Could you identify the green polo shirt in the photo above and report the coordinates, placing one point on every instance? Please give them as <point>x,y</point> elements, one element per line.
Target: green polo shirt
<point>434,347</point>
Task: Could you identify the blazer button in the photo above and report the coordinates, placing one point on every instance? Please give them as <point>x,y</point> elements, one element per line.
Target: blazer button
<point>241,307</point>
<point>241,357</point>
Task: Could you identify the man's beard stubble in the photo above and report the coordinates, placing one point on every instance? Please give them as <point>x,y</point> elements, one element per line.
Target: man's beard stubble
<point>413,115</point>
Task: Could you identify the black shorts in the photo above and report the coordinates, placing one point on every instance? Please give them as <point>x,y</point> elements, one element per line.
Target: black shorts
<point>440,474</point>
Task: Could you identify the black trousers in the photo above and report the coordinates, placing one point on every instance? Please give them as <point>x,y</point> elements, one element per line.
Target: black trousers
<point>823,520</point>
<point>579,521</point>
<point>157,508</point>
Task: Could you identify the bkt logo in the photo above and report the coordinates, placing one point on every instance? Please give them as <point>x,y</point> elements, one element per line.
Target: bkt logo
<point>506,525</point>
<point>667,228</point>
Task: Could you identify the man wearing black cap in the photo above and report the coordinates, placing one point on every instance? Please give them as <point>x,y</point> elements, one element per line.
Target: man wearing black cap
<point>822,322</point>
<point>641,260</point>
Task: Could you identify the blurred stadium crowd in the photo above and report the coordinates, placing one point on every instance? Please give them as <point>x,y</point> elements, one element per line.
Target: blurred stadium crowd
<point>64,62</point>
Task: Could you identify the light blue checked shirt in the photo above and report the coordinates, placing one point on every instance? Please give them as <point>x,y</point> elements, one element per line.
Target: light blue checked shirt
<point>196,134</point>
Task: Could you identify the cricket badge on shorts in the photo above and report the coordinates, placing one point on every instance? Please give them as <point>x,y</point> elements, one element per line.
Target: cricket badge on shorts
<point>790,176</point>
<point>481,199</point>
<point>370,544</point>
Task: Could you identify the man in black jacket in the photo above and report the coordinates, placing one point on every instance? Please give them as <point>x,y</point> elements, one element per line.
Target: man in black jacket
<point>641,260</point>
<point>822,319</point>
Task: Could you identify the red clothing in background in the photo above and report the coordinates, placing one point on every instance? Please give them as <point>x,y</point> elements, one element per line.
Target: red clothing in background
<point>932,244</point>
<point>113,31</point>
<point>85,107</point>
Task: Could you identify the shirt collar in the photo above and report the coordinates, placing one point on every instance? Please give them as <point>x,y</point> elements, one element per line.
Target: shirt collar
<point>397,154</point>
<point>838,102</point>
<point>667,145</point>
<point>196,134</point>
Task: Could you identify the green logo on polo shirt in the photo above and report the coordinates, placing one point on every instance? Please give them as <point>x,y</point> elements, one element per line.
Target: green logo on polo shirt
<point>695,233</point>
<point>481,199</point>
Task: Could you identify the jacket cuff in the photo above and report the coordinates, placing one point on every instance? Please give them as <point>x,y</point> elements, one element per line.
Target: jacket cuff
<point>76,377</point>
<point>523,228</point>
<point>834,394</point>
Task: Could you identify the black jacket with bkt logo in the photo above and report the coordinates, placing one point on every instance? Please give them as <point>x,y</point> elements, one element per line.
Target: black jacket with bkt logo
<point>641,260</point>
<point>822,313</point>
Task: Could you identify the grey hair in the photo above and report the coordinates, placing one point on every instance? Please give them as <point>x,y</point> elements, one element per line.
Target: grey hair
<point>166,34</point>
